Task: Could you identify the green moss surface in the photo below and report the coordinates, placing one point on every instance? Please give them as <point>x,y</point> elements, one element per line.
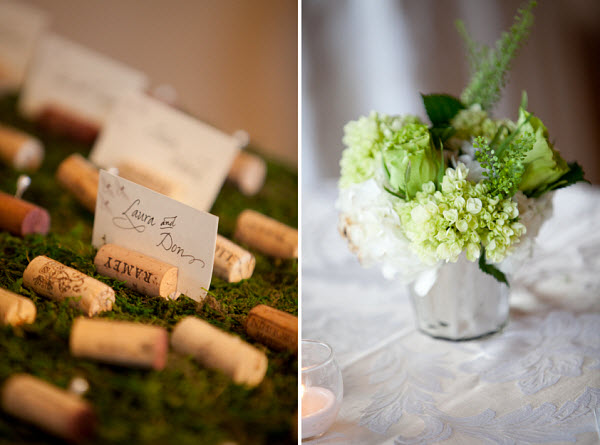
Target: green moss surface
<point>184,403</point>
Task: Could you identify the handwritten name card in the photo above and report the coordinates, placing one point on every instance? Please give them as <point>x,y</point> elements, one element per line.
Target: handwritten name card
<point>190,158</point>
<point>139,219</point>
<point>76,79</point>
<point>20,28</point>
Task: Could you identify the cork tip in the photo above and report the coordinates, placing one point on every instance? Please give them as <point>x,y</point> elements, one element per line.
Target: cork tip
<point>90,309</point>
<point>30,155</point>
<point>168,284</point>
<point>242,269</point>
<point>26,312</point>
<point>83,425</point>
<point>161,350</point>
<point>252,374</point>
<point>37,220</point>
<point>258,309</point>
<point>252,180</point>
<point>248,172</point>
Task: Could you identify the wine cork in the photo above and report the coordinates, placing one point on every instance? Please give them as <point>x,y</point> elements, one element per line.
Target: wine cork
<point>120,342</point>
<point>266,235</point>
<point>16,309</point>
<point>51,408</point>
<point>248,173</point>
<point>232,263</point>
<point>65,123</point>
<point>272,327</point>
<point>141,273</point>
<point>148,178</point>
<point>20,150</point>
<point>80,177</point>
<point>57,281</point>
<point>21,217</point>
<point>216,349</point>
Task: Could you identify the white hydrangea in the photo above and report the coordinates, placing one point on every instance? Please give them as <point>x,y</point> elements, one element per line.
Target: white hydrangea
<point>468,158</point>
<point>533,212</point>
<point>371,226</point>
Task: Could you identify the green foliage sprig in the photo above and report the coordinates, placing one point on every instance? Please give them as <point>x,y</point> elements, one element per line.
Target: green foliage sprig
<point>490,269</point>
<point>503,167</point>
<point>490,67</point>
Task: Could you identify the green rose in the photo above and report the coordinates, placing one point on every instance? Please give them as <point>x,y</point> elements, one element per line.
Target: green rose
<point>363,139</point>
<point>411,159</point>
<point>543,165</point>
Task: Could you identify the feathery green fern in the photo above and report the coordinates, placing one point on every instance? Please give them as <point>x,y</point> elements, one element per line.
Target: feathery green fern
<point>490,66</point>
<point>503,167</point>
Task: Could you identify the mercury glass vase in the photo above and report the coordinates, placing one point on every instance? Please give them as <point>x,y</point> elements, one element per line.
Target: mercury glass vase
<point>460,303</point>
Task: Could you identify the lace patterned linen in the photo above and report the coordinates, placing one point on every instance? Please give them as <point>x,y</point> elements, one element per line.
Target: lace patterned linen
<point>537,352</point>
<point>537,382</point>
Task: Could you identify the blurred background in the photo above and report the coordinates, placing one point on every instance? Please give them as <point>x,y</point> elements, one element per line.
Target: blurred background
<point>359,56</point>
<point>233,63</point>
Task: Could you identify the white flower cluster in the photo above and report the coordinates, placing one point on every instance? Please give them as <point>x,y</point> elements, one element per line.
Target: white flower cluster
<point>372,229</point>
<point>532,214</point>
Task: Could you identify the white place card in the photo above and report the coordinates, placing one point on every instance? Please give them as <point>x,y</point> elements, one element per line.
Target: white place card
<point>20,28</point>
<point>76,79</point>
<point>189,158</point>
<point>139,219</point>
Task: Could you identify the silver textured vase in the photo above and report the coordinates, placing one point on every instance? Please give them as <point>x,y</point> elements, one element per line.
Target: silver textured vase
<point>460,303</point>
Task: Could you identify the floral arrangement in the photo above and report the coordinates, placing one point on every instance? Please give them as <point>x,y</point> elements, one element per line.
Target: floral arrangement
<point>413,195</point>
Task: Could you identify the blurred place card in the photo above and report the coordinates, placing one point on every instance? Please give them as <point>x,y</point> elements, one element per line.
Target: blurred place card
<point>134,217</point>
<point>165,150</point>
<point>77,80</point>
<point>20,28</point>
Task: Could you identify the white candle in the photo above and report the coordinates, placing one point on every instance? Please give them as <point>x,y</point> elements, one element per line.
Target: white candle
<point>319,410</point>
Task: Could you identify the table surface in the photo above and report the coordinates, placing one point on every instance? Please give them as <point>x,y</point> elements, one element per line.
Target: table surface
<point>538,381</point>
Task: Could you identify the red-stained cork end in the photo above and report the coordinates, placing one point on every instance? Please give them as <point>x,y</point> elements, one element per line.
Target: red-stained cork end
<point>37,220</point>
<point>64,123</point>
<point>83,425</point>
<point>161,349</point>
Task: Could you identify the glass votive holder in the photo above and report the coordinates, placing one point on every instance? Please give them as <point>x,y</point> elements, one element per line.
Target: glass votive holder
<point>322,388</point>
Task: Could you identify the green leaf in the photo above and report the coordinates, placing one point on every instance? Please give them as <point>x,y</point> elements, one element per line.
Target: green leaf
<point>397,194</point>
<point>575,174</point>
<point>438,136</point>
<point>524,100</point>
<point>490,269</point>
<point>407,178</point>
<point>441,133</point>
<point>385,168</point>
<point>441,108</point>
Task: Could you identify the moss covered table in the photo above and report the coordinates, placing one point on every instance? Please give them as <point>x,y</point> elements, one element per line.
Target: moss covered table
<point>184,403</point>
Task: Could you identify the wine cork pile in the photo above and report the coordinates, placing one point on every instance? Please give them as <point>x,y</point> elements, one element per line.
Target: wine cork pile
<point>67,312</point>
<point>123,343</point>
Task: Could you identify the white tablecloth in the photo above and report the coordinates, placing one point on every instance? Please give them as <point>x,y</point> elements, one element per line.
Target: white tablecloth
<point>536,382</point>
